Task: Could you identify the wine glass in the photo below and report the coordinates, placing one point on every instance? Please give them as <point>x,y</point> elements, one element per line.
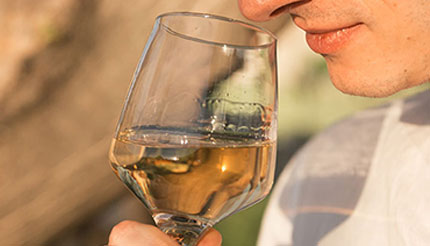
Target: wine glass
<point>196,140</point>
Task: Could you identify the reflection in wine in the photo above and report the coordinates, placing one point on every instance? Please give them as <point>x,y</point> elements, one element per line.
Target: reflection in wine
<point>209,178</point>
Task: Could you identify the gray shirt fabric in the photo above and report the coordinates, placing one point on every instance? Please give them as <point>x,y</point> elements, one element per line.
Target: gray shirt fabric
<point>363,181</point>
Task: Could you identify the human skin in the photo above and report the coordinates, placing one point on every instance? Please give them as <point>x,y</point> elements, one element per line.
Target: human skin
<point>388,51</point>
<point>131,233</point>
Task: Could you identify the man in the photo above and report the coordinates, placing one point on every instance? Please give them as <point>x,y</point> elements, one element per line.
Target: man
<point>364,181</point>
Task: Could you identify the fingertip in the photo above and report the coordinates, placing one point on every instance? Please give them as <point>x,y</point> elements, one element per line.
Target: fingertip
<point>130,233</point>
<point>120,231</point>
<point>211,238</point>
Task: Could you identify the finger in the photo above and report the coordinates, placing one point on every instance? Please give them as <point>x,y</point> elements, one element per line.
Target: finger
<point>211,238</point>
<point>131,233</point>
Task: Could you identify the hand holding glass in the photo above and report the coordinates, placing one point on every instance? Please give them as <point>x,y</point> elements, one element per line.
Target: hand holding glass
<point>196,139</point>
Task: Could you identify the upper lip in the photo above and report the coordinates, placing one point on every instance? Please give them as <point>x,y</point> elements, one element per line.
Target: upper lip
<point>323,29</point>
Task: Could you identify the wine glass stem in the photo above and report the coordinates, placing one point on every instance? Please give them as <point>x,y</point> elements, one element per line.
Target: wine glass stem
<point>185,230</point>
<point>183,237</point>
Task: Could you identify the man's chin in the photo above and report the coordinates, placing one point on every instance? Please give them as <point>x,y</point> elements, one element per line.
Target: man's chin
<point>365,88</point>
<point>369,93</point>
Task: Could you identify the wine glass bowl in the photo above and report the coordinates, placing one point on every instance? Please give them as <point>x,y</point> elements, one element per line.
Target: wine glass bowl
<point>196,139</point>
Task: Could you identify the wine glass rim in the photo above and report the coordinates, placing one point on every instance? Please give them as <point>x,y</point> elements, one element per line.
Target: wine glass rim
<point>245,24</point>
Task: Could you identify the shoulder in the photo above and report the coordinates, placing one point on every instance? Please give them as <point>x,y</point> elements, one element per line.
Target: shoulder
<point>321,185</point>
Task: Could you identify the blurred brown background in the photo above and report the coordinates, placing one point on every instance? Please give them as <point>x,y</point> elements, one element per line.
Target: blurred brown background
<point>65,68</point>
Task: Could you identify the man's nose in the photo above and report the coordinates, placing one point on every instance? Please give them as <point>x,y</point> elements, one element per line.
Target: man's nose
<point>262,10</point>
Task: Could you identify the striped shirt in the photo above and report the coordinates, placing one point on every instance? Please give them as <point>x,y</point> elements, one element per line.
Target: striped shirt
<point>363,181</point>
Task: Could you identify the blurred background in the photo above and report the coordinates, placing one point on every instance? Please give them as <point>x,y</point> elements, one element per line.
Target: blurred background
<point>65,67</point>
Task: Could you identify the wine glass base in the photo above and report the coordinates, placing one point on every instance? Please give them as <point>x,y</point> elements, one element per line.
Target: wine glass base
<point>186,230</point>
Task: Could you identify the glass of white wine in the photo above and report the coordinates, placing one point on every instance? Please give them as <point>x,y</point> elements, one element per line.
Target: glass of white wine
<point>196,140</point>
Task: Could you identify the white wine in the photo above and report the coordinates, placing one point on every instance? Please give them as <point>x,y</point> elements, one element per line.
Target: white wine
<point>207,178</point>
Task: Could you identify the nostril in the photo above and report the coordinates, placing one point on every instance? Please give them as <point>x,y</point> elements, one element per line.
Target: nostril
<point>279,11</point>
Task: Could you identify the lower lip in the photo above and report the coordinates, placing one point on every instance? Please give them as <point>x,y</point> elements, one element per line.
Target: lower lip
<point>331,42</point>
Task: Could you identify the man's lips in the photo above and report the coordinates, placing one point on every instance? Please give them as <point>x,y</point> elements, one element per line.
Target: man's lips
<point>328,41</point>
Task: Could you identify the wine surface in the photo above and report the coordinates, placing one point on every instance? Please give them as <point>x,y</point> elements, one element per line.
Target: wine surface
<point>207,178</point>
